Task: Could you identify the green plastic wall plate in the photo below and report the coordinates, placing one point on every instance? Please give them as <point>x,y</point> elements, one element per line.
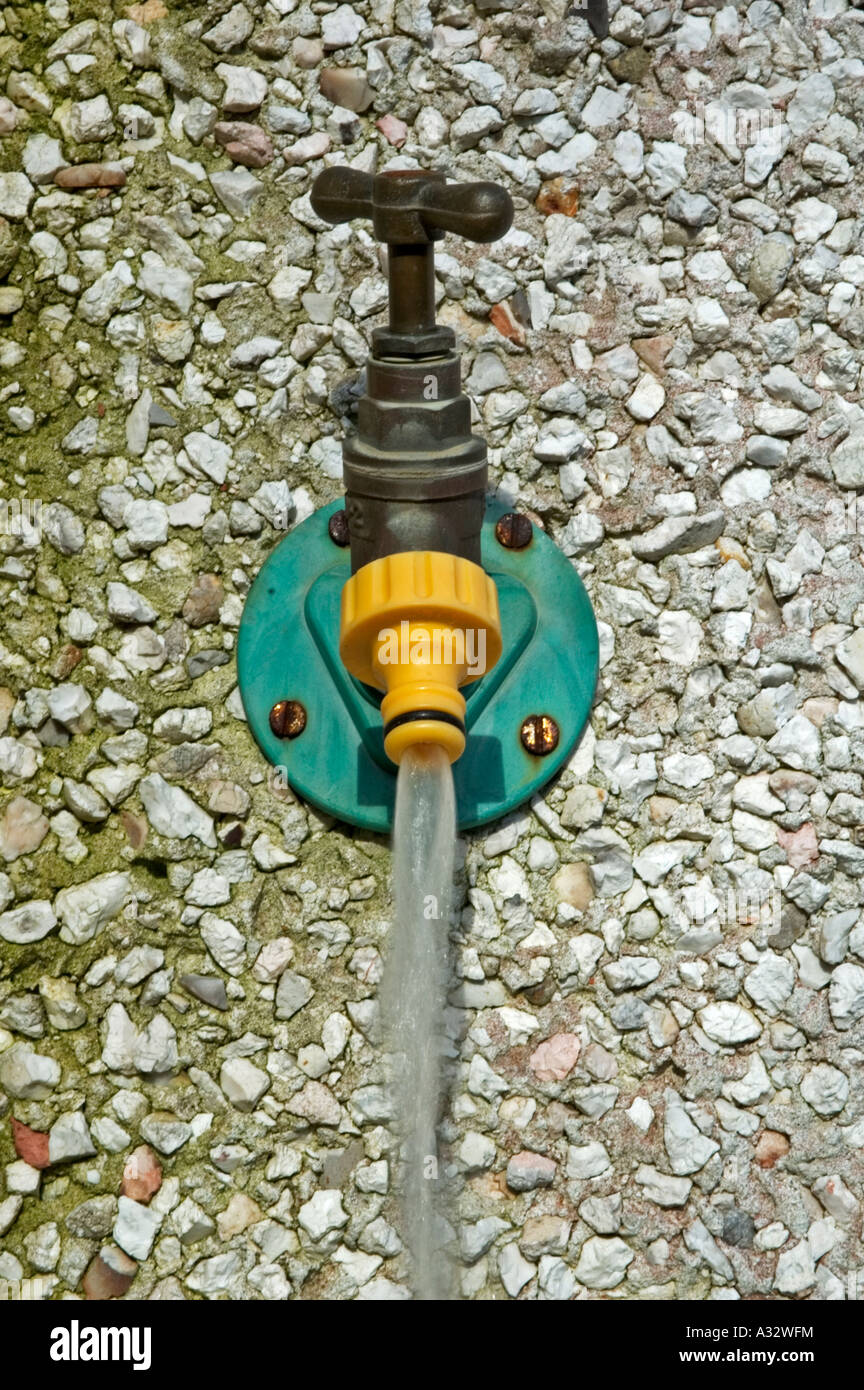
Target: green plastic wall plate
<point>288,649</point>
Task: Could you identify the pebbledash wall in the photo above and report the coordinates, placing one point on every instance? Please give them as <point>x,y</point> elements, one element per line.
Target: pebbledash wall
<point>657,1025</point>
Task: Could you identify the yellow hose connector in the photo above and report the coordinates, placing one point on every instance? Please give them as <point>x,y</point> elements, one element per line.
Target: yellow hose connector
<point>417,626</point>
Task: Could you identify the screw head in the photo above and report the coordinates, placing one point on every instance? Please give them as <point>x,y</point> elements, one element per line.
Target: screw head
<point>539,734</point>
<point>287,718</point>
<point>337,527</point>
<point>513,531</point>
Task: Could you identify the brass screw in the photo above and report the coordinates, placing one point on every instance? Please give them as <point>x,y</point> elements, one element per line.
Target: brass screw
<point>287,718</point>
<point>539,734</point>
<point>337,526</point>
<point>513,531</point>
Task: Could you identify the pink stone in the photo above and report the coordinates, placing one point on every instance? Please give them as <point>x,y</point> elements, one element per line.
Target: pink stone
<point>393,130</point>
<point>307,52</point>
<point>345,87</point>
<point>204,601</point>
<point>30,1144</point>
<point>90,176</point>
<point>245,143</point>
<point>502,317</point>
<point>555,1057</point>
<point>109,1275</point>
<point>527,1170</point>
<point>136,828</point>
<point>800,845</point>
<point>310,147</point>
<point>599,1062</point>
<point>22,829</point>
<point>316,1104</point>
<point>9,116</point>
<point>142,1176</point>
<point>240,1213</point>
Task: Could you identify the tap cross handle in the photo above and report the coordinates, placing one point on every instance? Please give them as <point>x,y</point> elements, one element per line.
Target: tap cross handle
<point>411,207</point>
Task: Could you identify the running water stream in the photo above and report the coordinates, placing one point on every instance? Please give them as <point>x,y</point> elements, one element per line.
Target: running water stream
<point>414,994</point>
